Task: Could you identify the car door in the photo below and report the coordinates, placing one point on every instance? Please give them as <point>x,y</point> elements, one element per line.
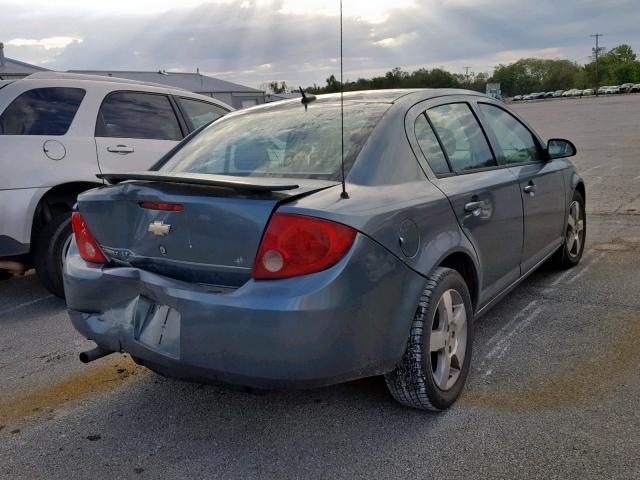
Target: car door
<point>135,129</point>
<point>42,137</point>
<point>484,197</point>
<point>541,182</point>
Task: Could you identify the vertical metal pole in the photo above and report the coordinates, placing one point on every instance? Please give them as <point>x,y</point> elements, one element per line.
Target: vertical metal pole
<point>597,36</point>
<point>344,193</point>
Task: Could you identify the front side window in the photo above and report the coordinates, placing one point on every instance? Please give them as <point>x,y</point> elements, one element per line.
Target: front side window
<point>42,111</point>
<point>138,115</point>
<point>461,136</point>
<point>200,113</point>
<point>516,141</point>
<point>285,140</point>
<point>430,146</point>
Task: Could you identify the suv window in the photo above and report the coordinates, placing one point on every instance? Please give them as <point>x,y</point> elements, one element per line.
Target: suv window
<point>430,147</point>
<point>461,136</point>
<point>41,111</point>
<point>516,141</point>
<point>138,115</point>
<point>199,112</point>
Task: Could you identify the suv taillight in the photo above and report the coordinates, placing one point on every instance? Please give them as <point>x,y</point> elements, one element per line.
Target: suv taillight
<point>87,245</point>
<point>296,245</point>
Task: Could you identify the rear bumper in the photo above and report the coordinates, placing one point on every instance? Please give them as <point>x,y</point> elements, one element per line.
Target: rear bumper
<point>348,322</point>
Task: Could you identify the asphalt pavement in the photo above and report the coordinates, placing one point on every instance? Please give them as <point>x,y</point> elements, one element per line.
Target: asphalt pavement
<point>554,390</point>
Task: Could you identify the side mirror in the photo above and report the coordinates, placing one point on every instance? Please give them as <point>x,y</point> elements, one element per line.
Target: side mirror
<point>560,148</point>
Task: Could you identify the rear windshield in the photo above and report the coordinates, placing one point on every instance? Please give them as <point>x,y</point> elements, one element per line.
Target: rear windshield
<point>281,141</point>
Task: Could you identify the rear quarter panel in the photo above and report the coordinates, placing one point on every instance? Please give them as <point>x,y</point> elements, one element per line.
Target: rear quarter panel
<point>390,197</point>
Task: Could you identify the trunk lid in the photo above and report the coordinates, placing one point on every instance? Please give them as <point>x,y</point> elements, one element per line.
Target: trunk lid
<point>213,240</point>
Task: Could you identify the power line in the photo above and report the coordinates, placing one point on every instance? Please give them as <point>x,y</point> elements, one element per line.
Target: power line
<point>597,37</point>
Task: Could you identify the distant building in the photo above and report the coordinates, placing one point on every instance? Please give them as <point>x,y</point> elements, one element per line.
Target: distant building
<point>13,69</point>
<point>238,96</point>
<point>494,90</point>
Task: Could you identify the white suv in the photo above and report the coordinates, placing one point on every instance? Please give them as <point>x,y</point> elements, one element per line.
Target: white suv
<point>57,131</point>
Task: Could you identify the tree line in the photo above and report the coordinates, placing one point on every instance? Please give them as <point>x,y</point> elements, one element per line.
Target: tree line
<point>615,67</point>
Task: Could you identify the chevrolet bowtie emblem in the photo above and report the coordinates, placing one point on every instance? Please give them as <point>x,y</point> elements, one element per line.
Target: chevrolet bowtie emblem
<point>159,228</point>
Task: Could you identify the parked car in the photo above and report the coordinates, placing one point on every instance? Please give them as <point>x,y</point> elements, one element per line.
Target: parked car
<point>613,90</point>
<point>588,92</point>
<point>57,132</point>
<point>527,97</point>
<point>517,98</point>
<point>568,93</point>
<point>636,88</point>
<point>558,93</point>
<point>626,88</point>
<point>241,258</point>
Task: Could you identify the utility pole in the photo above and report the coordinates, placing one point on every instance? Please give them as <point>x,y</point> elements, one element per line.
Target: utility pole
<point>467,73</point>
<point>597,37</point>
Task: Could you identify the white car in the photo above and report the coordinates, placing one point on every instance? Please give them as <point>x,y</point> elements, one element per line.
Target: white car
<point>57,131</point>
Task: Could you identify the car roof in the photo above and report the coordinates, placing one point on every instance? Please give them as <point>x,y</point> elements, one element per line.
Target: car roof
<point>393,95</point>
<point>121,83</point>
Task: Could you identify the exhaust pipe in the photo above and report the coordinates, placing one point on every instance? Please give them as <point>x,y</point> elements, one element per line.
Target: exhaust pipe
<point>94,354</point>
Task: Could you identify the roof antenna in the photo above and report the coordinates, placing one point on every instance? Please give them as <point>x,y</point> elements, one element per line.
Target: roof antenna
<point>307,98</point>
<point>344,193</point>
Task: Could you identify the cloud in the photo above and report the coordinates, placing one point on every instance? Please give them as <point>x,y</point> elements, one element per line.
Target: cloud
<point>253,41</point>
<point>49,43</point>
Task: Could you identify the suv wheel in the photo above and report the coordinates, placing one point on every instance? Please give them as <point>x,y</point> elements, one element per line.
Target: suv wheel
<point>51,250</point>
<point>435,365</point>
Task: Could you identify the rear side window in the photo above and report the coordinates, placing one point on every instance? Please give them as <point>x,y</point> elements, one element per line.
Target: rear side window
<point>138,115</point>
<point>516,141</point>
<point>430,147</point>
<point>461,136</point>
<point>200,113</point>
<point>41,111</point>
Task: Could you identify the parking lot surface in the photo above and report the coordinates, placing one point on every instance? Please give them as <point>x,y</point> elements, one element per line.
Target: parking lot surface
<point>554,390</point>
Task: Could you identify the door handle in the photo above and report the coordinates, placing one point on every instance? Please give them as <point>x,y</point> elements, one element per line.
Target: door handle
<point>121,149</point>
<point>531,188</point>
<point>474,207</point>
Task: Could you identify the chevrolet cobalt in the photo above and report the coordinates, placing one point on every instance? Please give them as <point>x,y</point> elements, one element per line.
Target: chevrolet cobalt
<point>243,258</point>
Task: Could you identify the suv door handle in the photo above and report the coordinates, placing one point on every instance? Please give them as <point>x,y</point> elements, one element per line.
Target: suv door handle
<point>531,188</point>
<point>121,149</point>
<point>474,207</point>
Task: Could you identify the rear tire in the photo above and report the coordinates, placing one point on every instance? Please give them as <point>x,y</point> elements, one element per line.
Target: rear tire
<point>442,329</point>
<point>51,249</point>
<point>575,234</point>
<point>4,275</point>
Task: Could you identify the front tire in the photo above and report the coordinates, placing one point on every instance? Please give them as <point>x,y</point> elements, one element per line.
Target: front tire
<point>434,368</point>
<point>51,250</point>
<point>570,253</point>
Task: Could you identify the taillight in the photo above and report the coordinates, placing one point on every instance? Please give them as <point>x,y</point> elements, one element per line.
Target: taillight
<point>296,245</point>
<point>87,245</point>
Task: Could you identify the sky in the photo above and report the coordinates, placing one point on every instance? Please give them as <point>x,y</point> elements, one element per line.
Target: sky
<point>256,41</point>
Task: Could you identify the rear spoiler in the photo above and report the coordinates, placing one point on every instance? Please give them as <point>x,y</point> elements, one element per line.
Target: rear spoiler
<point>242,184</point>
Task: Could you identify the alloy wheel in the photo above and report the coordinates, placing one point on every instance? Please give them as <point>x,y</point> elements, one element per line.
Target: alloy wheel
<point>448,343</point>
<point>575,229</point>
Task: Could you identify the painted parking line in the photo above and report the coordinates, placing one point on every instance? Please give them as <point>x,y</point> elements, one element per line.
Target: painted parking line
<point>587,267</point>
<point>503,339</point>
<point>570,273</point>
<point>25,304</point>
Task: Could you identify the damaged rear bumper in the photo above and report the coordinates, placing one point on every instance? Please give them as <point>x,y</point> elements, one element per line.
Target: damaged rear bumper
<point>348,322</point>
